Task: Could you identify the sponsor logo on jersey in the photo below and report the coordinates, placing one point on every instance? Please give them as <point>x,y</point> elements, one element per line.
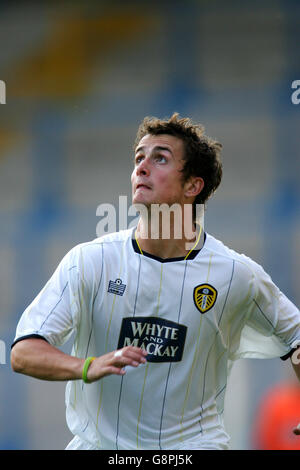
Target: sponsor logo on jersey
<point>116,287</point>
<point>205,297</point>
<point>162,339</point>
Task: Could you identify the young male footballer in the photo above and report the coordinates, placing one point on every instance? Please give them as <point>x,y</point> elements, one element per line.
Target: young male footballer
<point>157,320</point>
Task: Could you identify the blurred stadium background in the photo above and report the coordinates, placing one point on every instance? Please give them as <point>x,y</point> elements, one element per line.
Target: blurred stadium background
<point>80,76</point>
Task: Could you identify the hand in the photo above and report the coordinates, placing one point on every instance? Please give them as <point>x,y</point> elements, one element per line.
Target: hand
<point>296,430</point>
<point>114,362</point>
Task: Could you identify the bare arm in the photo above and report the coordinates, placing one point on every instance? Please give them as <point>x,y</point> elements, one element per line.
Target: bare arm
<point>39,359</point>
<point>295,359</point>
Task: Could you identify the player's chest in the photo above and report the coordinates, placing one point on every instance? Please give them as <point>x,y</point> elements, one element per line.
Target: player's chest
<point>162,307</point>
<point>173,290</point>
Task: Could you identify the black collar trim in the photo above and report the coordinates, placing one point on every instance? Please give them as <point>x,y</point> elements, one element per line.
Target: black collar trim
<point>192,255</point>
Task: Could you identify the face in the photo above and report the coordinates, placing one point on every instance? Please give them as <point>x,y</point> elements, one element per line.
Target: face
<point>157,177</point>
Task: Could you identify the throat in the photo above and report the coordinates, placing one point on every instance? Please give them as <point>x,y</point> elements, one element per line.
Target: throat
<point>169,248</point>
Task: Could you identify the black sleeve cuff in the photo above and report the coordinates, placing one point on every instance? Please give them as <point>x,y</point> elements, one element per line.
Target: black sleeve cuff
<point>289,354</point>
<point>28,337</point>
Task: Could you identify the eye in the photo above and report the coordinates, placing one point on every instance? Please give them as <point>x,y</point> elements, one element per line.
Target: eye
<point>161,158</point>
<point>138,159</point>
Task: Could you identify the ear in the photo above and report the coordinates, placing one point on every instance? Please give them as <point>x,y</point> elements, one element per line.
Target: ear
<point>194,186</point>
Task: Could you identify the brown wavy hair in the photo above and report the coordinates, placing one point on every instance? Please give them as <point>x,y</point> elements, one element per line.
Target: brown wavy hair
<point>202,154</point>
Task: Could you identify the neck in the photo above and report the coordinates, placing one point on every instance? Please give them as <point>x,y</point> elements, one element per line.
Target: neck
<point>168,243</point>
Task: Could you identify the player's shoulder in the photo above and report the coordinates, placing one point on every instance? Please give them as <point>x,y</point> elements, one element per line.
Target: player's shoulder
<point>85,258</point>
<point>242,263</point>
<point>91,247</point>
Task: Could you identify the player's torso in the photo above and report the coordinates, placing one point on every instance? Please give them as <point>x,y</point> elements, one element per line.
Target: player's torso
<point>164,307</point>
<point>180,312</point>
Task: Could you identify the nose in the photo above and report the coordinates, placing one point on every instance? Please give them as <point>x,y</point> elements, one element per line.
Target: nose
<point>143,168</point>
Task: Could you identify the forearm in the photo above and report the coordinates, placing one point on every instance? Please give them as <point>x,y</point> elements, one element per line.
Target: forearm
<point>295,359</point>
<point>39,359</point>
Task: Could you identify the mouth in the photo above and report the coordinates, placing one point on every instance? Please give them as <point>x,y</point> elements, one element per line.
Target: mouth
<point>142,186</point>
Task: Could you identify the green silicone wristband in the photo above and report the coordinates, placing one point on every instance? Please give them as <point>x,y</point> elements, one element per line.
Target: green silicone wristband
<point>86,365</point>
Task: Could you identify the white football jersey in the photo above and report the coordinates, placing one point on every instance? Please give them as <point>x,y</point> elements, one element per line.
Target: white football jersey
<point>194,317</point>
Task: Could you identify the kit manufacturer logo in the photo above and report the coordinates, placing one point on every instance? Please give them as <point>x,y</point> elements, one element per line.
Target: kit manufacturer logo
<point>116,287</point>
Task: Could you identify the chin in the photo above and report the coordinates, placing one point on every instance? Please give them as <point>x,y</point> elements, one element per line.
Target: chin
<point>139,199</point>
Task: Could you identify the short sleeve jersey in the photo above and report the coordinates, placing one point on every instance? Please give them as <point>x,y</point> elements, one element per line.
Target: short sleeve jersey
<point>193,317</point>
